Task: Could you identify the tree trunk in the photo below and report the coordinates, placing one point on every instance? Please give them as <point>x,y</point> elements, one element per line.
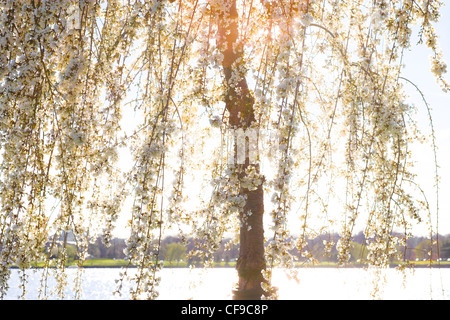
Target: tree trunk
<point>239,103</point>
<point>251,260</point>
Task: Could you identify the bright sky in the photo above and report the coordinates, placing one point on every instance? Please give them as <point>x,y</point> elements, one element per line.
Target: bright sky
<point>418,71</point>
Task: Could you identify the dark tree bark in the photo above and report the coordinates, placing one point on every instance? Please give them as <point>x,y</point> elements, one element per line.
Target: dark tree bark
<point>239,104</point>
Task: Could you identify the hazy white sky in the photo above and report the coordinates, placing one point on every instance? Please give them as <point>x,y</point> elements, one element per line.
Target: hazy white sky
<point>418,71</point>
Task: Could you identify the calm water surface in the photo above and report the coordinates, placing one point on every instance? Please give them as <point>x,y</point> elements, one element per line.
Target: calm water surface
<point>313,283</point>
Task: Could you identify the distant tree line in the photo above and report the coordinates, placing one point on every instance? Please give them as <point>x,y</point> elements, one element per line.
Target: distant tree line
<point>174,249</point>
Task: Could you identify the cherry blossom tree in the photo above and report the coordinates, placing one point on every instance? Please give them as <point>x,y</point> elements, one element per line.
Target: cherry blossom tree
<point>291,110</point>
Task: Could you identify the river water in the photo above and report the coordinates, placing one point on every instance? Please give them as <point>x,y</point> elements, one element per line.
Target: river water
<point>216,284</point>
